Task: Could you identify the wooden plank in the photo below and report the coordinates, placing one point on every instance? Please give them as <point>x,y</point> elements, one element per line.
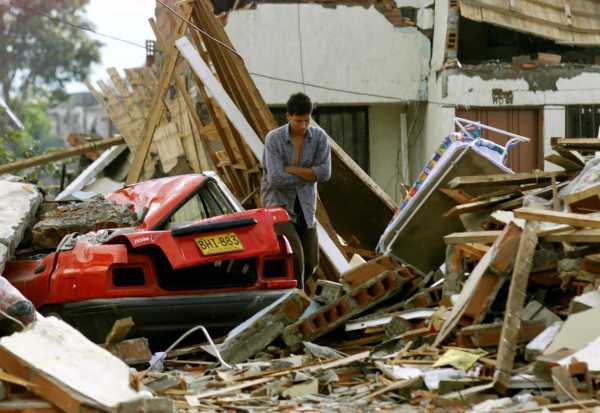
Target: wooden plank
<point>197,121</point>
<point>483,181</point>
<point>515,301</point>
<point>587,144</point>
<point>260,114</point>
<point>563,162</point>
<point>27,406</point>
<point>576,220</point>
<point>156,111</point>
<point>398,385</point>
<point>489,335</point>
<point>483,237</point>
<point>457,195</point>
<point>236,118</point>
<point>477,205</point>
<point>592,191</point>
<point>570,155</point>
<point>591,236</point>
<point>203,72</point>
<point>62,154</point>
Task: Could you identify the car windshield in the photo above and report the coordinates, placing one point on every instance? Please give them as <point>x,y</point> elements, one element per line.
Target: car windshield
<point>207,202</point>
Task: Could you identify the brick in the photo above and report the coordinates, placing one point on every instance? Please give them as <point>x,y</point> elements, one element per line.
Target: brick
<point>362,273</point>
<point>256,333</point>
<point>327,292</point>
<point>373,291</point>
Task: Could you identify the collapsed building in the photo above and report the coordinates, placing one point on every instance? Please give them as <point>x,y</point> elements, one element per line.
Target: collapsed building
<point>479,291</point>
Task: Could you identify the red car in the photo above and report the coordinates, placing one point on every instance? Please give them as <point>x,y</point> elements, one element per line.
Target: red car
<point>196,258</point>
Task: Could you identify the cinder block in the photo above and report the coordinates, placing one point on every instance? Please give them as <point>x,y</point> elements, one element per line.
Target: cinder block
<point>360,274</point>
<point>371,292</point>
<point>256,333</point>
<point>327,292</point>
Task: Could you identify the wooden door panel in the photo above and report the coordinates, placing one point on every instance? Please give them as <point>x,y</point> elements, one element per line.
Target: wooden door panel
<point>525,156</point>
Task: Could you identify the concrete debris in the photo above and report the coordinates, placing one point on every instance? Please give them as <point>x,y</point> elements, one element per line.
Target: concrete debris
<point>265,326</point>
<point>19,203</point>
<point>58,220</point>
<point>479,293</point>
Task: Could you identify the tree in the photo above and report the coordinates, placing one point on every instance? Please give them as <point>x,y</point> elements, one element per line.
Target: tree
<point>41,49</point>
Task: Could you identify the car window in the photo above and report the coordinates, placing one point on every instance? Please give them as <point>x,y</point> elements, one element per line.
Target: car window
<point>192,210</point>
<point>218,199</point>
<point>208,202</point>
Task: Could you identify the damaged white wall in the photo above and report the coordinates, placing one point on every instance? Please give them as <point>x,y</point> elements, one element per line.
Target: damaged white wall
<point>349,48</point>
<point>547,89</point>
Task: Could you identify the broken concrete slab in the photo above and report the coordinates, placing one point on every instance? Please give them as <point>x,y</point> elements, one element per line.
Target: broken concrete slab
<point>535,311</point>
<point>261,329</point>
<point>19,203</point>
<point>577,331</point>
<point>590,354</point>
<point>82,217</point>
<point>66,368</point>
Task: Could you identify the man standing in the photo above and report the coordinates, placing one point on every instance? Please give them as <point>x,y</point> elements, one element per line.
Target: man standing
<point>297,156</point>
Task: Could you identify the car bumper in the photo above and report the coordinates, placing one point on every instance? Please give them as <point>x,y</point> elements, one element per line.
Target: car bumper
<point>164,316</point>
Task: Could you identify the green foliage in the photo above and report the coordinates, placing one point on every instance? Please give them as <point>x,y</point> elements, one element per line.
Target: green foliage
<point>39,52</point>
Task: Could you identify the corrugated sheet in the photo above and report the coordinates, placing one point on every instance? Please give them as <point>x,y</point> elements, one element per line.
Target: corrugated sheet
<point>575,22</point>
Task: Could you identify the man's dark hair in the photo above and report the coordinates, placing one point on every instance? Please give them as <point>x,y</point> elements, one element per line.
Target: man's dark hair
<point>299,104</point>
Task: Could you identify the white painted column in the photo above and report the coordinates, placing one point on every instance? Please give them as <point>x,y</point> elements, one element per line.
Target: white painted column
<point>554,125</point>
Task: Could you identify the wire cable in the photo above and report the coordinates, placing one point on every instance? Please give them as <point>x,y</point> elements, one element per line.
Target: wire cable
<point>226,46</point>
<point>75,26</point>
<point>302,82</point>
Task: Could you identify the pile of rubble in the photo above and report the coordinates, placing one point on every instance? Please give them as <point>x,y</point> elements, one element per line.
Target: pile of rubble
<point>479,294</point>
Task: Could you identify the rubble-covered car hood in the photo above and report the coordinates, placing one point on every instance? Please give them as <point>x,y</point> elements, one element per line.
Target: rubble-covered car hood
<point>157,197</point>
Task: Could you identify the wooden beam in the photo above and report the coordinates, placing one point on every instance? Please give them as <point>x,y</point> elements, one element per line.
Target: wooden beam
<point>457,195</point>
<point>478,205</point>
<point>588,236</point>
<point>516,299</point>
<point>58,155</point>
<point>576,220</point>
<point>156,110</point>
<point>483,181</point>
<point>483,237</point>
<point>237,119</point>
<point>588,144</point>
<point>203,72</point>
<point>563,162</point>
<point>592,191</point>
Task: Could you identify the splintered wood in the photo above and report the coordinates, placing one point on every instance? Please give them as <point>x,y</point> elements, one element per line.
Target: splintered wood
<point>162,124</point>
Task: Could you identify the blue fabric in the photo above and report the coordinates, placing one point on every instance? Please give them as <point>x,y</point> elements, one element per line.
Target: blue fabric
<point>279,188</point>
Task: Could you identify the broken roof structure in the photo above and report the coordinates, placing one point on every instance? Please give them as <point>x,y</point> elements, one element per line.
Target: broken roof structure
<point>574,23</point>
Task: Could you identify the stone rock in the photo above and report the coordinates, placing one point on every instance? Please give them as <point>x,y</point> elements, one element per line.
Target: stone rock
<point>19,203</point>
<point>58,220</point>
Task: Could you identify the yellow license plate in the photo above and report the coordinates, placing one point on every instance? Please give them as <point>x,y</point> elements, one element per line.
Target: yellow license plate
<point>218,244</point>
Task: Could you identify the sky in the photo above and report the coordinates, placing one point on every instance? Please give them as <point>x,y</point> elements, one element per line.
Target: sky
<point>126,19</point>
